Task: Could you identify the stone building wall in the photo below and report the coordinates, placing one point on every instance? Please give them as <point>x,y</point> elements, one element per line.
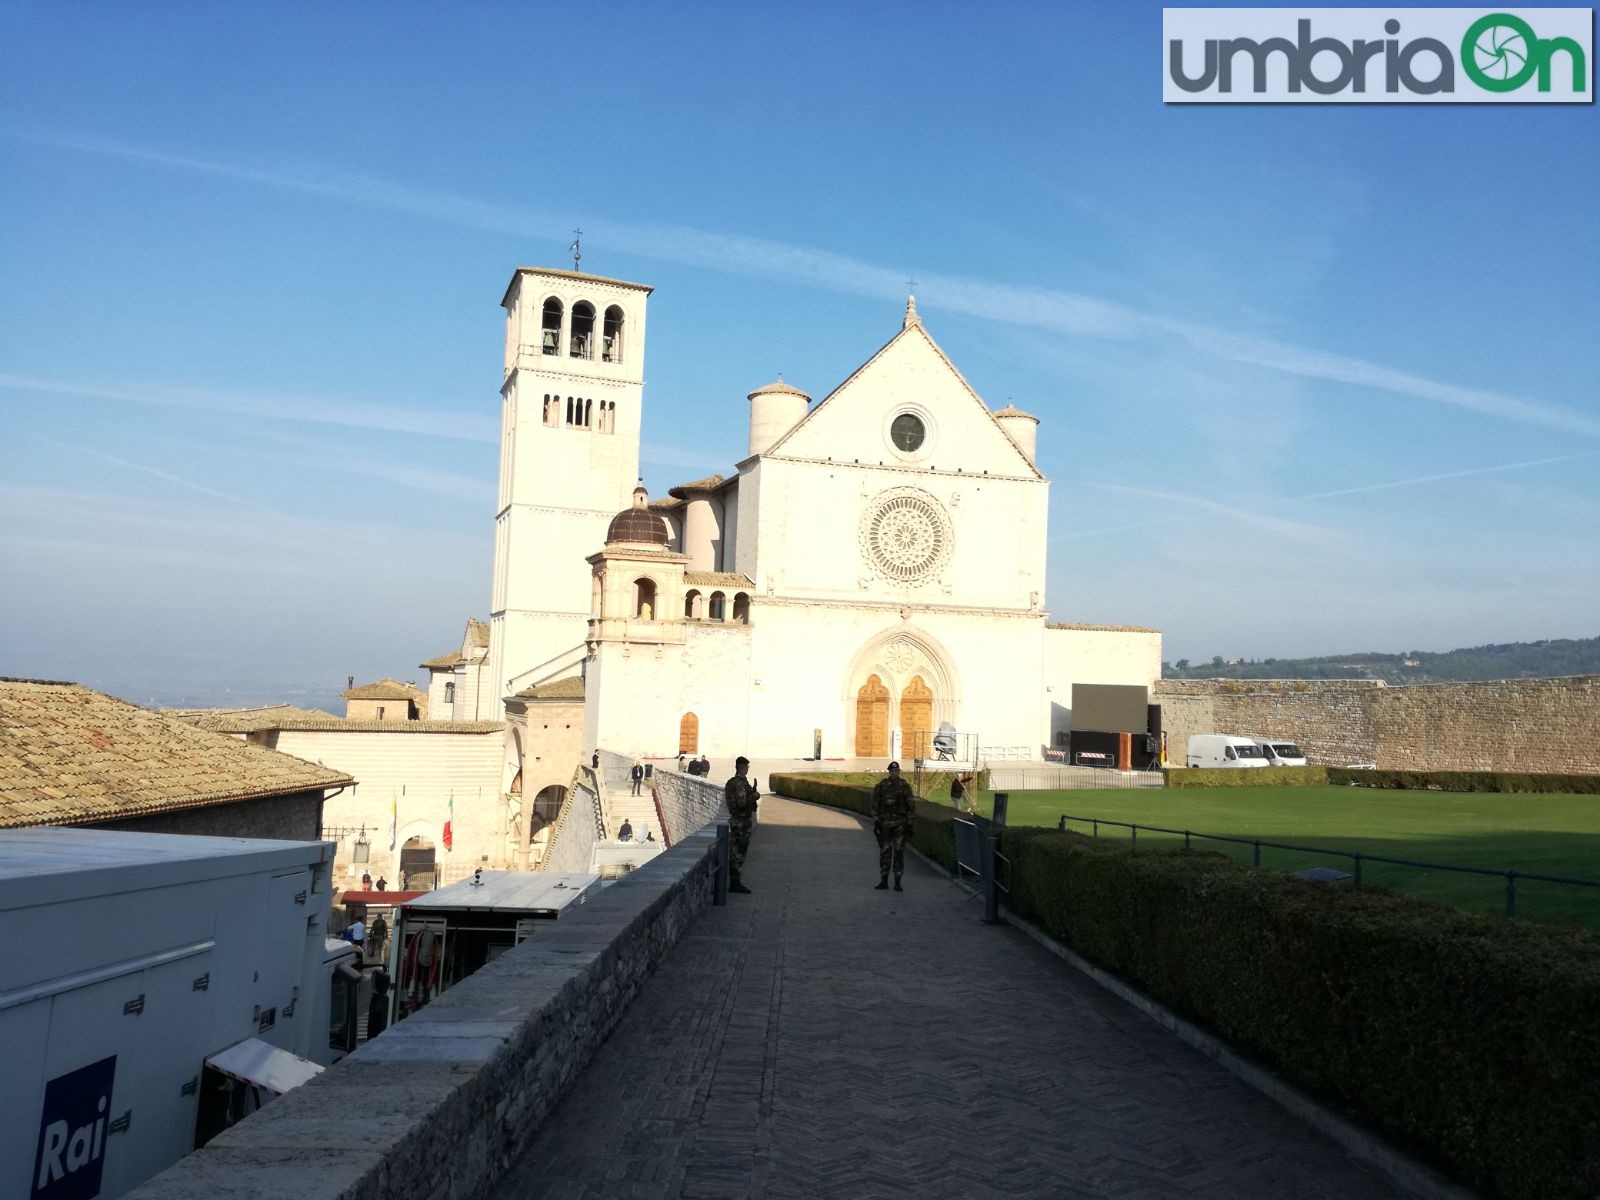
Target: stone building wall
<point>296,817</point>
<point>1532,725</point>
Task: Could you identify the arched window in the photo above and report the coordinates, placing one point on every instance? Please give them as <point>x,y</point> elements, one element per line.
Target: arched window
<point>582,330</point>
<point>691,604</point>
<point>552,409</point>
<point>588,412</point>
<point>644,599</point>
<point>741,608</point>
<point>718,610</point>
<point>569,411</point>
<point>612,351</point>
<point>550,327</point>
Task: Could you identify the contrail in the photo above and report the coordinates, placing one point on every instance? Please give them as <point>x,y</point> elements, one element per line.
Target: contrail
<point>1216,509</point>
<point>1029,307</point>
<point>178,480</point>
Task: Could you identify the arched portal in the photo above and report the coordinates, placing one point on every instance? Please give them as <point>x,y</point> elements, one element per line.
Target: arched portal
<point>418,870</point>
<point>916,719</point>
<point>872,719</point>
<point>689,734</point>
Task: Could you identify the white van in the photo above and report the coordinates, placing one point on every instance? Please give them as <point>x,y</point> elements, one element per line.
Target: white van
<point>1224,750</point>
<point>1281,753</point>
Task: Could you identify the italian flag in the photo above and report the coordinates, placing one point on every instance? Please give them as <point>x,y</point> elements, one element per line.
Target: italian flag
<point>449,817</point>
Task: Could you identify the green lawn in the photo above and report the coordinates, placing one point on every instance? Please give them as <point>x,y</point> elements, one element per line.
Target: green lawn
<point>1554,835</point>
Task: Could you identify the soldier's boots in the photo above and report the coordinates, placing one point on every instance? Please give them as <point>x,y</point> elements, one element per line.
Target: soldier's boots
<point>883,883</point>
<point>737,886</point>
<point>897,886</point>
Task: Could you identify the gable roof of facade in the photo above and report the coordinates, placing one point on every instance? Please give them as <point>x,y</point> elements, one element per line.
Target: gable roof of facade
<point>384,689</point>
<point>911,328</point>
<point>70,755</point>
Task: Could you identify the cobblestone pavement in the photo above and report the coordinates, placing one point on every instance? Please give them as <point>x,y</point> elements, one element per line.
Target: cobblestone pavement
<point>820,1039</point>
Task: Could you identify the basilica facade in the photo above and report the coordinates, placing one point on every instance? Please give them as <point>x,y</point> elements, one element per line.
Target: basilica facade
<point>870,574</point>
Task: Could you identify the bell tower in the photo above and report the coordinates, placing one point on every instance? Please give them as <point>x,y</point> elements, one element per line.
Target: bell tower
<point>571,399</point>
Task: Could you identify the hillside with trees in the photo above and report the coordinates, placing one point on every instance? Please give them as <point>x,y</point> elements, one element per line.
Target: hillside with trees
<point>1513,660</point>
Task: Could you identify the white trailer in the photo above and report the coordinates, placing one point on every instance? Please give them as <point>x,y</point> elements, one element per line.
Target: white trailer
<point>154,989</point>
<point>444,936</point>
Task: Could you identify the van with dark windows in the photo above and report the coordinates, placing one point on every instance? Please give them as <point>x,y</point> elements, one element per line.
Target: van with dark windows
<point>1280,752</point>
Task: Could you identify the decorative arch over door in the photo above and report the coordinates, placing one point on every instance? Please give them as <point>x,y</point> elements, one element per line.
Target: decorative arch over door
<point>689,734</point>
<point>916,719</point>
<point>872,719</point>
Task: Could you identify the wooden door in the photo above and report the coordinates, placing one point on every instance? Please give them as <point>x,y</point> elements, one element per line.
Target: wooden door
<point>689,734</point>
<point>872,719</point>
<point>916,719</point>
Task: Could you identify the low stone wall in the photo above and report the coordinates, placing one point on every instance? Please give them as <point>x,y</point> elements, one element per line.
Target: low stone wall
<point>687,802</point>
<point>441,1104</point>
<point>1525,725</point>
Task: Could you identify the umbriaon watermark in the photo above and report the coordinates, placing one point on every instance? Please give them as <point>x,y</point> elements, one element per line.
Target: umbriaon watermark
<point>1377,55</point>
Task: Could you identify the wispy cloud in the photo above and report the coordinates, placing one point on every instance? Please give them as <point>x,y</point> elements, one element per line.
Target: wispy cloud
<point>1256,514</point>
<point>1053,309</point>
<point>280,408</point>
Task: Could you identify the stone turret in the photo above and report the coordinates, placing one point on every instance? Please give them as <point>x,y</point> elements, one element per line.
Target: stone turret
<point>774,410</point>
<point>1022,428</point>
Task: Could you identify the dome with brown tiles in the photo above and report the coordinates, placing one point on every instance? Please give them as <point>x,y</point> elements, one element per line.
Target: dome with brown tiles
<point>638,524</point>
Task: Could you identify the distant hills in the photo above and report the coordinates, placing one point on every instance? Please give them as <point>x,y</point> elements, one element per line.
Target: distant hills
<point>1513,660</point>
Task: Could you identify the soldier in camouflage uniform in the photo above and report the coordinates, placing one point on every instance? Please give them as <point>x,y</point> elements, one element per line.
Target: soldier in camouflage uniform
<point>741,796</point>
<point>893,804</point>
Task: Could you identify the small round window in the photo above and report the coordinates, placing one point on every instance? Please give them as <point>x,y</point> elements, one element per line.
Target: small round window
<point>907,432</point>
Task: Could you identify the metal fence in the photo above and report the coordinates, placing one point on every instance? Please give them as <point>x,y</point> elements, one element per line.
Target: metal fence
<point>1356,858</point>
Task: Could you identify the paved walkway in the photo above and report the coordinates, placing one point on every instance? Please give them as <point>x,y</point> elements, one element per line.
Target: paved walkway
<point>821,1039</point>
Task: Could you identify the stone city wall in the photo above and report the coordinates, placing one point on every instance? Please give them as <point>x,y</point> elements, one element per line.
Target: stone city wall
<point>1525,725</point>
<point>442,1103</point>
<point>1331,720</point>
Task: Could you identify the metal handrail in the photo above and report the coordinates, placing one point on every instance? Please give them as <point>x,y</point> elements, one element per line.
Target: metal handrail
<point>1510,875</point>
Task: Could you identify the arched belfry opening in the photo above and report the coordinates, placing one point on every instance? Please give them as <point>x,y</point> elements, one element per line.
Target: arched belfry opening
<point>582,330</point>
<point>644,598</point>
<point>550,327</point>
<point>611,344</point>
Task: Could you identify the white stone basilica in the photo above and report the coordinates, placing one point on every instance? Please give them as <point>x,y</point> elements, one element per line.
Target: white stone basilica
<point>872,570</point>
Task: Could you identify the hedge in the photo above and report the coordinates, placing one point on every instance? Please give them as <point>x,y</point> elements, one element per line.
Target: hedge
<point>1233,777</point>
<point>1464,781</point>
<point>1471,1041</point>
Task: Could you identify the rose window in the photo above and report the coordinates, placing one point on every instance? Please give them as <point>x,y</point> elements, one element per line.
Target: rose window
<point>905,535</point>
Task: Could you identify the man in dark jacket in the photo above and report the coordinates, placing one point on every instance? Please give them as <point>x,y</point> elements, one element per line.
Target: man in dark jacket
<point>893,804</point>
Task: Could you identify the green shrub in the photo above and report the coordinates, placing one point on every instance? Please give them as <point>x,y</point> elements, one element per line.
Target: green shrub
<point>1471,1041</point>
<point>1232,777</point>
<point>1465,781</point>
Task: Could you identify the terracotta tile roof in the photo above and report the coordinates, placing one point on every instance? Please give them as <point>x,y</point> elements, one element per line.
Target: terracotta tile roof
<point>477,633</point>
<point>384,689</point>
<point>1105,628</point>
<point>667,503</point>
<point>247,720</point>
<point>345,725</point>
<point>70,755</point>
<point>730,579</point>
<point>444,662</point>
<point>709,484</point>
<point>570,688</point>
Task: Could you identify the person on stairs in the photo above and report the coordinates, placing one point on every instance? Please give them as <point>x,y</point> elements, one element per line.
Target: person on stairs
<point>893,805</point>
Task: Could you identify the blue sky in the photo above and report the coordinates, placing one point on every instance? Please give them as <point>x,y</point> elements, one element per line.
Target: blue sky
<point>1311,379</point>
